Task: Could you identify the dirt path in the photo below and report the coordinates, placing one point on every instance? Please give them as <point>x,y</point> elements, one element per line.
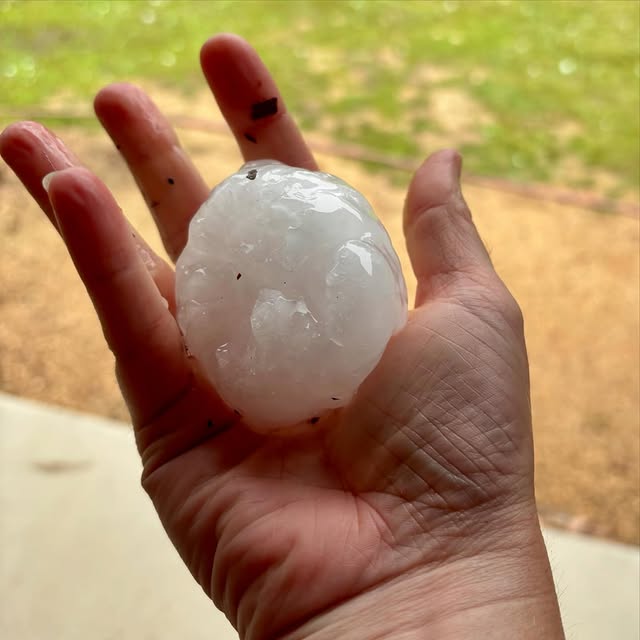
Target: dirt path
<point>575,273</point>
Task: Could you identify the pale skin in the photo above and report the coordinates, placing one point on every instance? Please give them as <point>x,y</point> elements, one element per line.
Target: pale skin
<point>410,513</point>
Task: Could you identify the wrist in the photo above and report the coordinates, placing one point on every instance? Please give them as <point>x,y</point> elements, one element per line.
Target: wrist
<point>497,595</point>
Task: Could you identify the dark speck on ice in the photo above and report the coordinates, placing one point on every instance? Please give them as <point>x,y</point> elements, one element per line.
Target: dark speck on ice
<point>252,174</point>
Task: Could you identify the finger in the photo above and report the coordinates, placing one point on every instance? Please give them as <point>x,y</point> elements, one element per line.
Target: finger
<point>170,184</point>
<point>32,152</point>
<point>137,325</point>
<point>251,103</point>
<point>442,240</point>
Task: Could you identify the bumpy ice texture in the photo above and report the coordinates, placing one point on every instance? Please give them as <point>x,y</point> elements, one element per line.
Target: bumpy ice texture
<point>288,291</point>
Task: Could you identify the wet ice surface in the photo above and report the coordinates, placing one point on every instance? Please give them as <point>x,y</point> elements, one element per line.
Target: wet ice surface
<point>288,291</point>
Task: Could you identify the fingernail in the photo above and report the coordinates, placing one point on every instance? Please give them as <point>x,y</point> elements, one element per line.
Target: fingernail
<point>47,180</point>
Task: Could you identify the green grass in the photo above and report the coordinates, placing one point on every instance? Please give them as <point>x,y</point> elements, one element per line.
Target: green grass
<point>554,79</point>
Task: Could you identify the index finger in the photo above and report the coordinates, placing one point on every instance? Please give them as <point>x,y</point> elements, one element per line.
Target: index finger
<point>251,103</point>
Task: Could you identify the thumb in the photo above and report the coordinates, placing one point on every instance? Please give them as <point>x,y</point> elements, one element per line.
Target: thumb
<point>442,240</point>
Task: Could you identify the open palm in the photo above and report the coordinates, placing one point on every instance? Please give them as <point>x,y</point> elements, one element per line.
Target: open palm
<point>429,465</point>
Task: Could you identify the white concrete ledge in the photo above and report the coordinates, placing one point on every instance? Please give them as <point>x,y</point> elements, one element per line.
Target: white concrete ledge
<point>83,555</point>
<point>598,585</point>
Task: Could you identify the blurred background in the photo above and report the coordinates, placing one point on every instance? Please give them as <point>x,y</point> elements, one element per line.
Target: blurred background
<point>542,98</point>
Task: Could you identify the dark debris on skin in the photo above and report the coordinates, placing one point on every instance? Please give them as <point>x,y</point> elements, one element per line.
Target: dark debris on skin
<point>217,429</point>
<point>250,138</point>
<point>264,109</point>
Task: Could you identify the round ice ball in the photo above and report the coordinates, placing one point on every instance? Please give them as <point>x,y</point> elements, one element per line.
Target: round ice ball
<point>288,291</point>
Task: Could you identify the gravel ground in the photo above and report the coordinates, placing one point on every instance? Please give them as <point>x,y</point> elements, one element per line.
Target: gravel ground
<point>574,272</point>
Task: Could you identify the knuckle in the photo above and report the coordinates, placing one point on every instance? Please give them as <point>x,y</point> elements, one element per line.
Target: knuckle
<point>488,296</point>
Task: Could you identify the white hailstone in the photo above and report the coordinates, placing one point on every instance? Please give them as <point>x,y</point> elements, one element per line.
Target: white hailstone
<point>288,291</point>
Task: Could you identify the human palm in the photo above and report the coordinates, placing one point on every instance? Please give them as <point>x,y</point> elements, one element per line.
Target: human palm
<point>428,466</point>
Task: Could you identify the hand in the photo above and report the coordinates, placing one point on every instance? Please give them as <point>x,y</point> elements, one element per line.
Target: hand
<point>408,513</point>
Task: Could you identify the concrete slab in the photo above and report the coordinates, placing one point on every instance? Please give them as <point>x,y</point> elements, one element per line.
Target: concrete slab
<point>598,585</point>
<point>82,554</point>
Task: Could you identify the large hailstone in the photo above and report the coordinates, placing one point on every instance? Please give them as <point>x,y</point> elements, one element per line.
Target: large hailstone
<point>288,291</point>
